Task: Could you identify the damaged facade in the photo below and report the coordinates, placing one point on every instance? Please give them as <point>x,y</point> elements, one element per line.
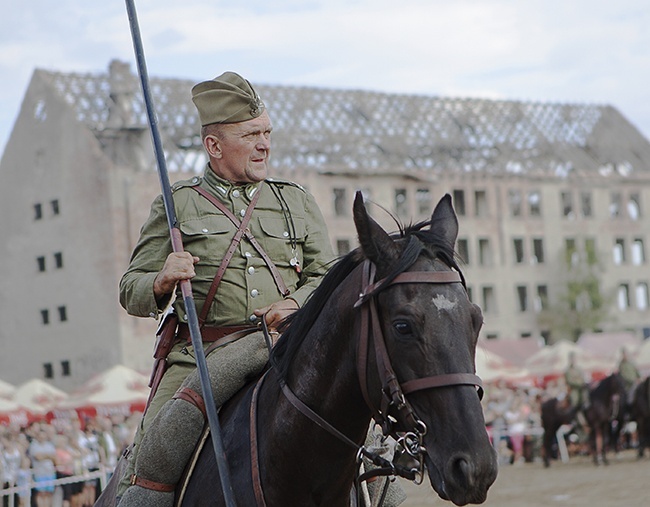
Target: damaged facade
<point>546,194</point>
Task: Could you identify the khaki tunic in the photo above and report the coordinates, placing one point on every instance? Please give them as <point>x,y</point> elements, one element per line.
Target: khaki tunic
<point>297,233</point>
<point>247,283</point>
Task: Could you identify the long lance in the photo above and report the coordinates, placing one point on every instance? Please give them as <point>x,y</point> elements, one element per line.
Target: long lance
<point>177,246</point>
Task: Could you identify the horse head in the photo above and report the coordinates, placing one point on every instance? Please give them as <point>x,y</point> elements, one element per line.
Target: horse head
<point>430,328</point>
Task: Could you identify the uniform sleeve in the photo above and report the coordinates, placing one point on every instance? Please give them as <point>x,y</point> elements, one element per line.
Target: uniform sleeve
<point>317,252</point>
<point>148,258</point>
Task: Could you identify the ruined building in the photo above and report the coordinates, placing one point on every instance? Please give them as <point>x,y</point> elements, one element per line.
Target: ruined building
<point>553,202</point>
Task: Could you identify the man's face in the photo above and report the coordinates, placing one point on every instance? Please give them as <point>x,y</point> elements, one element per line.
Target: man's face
<point>240,153</point>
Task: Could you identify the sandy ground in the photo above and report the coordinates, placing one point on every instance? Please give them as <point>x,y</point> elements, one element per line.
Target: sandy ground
<point>624,482</point>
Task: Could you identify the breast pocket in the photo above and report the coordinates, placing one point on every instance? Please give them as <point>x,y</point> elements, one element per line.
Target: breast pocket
<point>207,235</point>
<point>281,242</point>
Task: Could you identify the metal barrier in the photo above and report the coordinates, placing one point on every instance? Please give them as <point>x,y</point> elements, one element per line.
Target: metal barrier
<point>25,490</point>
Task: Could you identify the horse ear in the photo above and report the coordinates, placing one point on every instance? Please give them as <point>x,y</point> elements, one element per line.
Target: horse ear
<point>444,222</point>
<point>376,244</point>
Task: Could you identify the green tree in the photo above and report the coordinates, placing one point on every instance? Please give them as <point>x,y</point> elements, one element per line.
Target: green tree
<point>581,305</point>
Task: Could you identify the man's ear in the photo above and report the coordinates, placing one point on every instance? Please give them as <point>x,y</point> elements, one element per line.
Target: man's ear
<point>212,146</point>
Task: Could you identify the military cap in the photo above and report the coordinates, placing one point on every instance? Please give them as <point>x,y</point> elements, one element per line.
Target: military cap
<point>228,98</point>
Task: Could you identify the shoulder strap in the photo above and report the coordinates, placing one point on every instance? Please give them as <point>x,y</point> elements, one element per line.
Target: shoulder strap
<point>241,227</point>
<point>277,277</point>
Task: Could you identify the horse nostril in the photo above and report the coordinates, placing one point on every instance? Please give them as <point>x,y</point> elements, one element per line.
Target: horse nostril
<point>461,472</point>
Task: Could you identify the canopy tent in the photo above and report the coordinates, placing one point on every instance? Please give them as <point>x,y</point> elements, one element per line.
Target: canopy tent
<point>11,413</point>
<point>515,351</point>
<point>118,390</point>
<point>38,396</point>
<point>552,361</point>
<point>491,367</point>
<point>6,389</point>
<point>609,345</point>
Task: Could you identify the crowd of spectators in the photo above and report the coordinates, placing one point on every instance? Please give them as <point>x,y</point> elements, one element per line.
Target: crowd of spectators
<point>57,450</point>
<point>513,418</point>
<point>69,448</point>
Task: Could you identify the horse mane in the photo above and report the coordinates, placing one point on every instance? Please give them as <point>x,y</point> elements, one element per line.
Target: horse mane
<point>295,328</point>
<point>613,382</point>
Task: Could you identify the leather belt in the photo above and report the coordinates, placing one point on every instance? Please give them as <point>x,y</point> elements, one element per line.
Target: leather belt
<point>209,334</point>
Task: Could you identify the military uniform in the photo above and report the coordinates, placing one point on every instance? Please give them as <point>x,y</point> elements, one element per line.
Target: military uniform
<point>287,223</point>
<point>575,381</point>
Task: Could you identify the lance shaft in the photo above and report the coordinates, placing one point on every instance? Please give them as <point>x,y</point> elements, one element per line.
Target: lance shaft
<point>177,246</point>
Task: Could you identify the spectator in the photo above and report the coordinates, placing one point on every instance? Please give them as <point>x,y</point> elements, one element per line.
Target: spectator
<point>42,453</point>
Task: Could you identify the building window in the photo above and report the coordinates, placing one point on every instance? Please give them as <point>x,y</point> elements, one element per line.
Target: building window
<point>514,199</point>
<point>484,252</point>
<point>343,246</point>
<point>572,256</point>
<point>489,300</point>
<point>642,296</point>
<point>585,204</point>
<point>615,205</point>
<point>41,263</point>
<point>590,249</point>
<point>462,246</point>
<point>45,316</point>
<point>401,203</point>
<point>538,251</point>
<point>634,207</point>
<point>65,368</point>
<point>38,211</point>
<point>619,251</point>
<point>534,203</point>
<point>340,202</point>
<point>58,260</point>
<point>638,252</point>
<point>541,300</point>
<point>48,371</point>
<point>623,296</point>
<point>522,297</point>
<point>469,293</point>
<point>63,314</point>
<point>55,206</point>
<point>423,198</point>
<point>518,245</point>
<point>480,203</point>
<point>567,205</point>
<point>459,202</point>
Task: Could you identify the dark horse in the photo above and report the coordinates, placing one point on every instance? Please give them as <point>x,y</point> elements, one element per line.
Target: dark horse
<point>430,329</point>
<point>605,415</point>
<point>555,413</point>
<point>641,414</point>
<point>606,406</point>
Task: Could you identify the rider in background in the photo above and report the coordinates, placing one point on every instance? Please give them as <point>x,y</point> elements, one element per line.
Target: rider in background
<point>577,391</point>
<point>630,374</point>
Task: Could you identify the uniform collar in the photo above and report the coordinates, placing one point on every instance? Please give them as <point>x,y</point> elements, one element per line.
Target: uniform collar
<point>224,187</point>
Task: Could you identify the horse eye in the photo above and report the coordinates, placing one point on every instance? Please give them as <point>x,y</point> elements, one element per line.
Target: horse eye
<point>402,327</point>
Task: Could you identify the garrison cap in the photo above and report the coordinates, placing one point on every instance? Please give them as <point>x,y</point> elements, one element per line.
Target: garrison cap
<point>228,98</point>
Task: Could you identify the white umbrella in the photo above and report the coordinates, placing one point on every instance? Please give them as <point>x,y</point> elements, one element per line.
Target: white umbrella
<point>554,360</point>
<point>491,367</point>
<point>38,396</point>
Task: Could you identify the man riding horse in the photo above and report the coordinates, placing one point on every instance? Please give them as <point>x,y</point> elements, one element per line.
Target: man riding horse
<point>255,248</point>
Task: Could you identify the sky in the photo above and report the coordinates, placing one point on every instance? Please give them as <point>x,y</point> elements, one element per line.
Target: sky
<point>558,51</point>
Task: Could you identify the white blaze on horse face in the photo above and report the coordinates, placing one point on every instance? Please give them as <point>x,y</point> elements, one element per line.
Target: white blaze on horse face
<point>442,303</point>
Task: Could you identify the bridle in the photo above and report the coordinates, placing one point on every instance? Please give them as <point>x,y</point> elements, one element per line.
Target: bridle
<point>403,424</point>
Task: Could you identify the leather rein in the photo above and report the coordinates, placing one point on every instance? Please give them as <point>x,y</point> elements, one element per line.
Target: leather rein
<point>404,425</point>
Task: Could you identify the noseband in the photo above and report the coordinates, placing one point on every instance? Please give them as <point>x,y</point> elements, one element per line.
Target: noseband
<point>402,423</point>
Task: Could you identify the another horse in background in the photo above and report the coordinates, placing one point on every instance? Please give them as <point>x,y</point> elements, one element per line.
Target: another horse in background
<point>398,346</point>
<point>641,414</point>
<point>606,415</point>
<point>555,413</point>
